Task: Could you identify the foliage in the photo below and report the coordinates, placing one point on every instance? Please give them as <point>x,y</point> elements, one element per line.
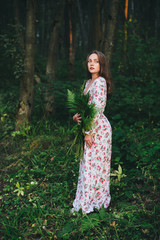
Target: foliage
<point>78,103</point>
<point>39,185</point>
<point>12,52</point>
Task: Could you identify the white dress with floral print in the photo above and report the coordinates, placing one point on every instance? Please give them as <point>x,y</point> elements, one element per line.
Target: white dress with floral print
<point>93,189</point>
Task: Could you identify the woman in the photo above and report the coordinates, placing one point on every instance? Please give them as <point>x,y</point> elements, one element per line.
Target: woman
<point>94,174</point>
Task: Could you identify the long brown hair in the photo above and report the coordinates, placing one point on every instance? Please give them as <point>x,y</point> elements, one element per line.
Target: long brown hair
<point>104,71</point>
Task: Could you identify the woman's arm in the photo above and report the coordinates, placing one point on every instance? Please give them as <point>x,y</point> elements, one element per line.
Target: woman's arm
<point>100,94</point>
<point>99,100</point>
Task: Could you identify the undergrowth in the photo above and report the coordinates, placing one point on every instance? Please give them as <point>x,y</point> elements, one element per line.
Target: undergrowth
<point>38,185</point>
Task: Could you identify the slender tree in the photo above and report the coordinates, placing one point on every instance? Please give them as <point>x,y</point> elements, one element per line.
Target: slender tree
<point>52,58</point>
<point>97,25</point>
<point>72,35</point>
<point>125,34</point>
<point>41,15</point>
<point>27,83</point>
<point>83,31</point>
<point>126,16</point>
<point>111,26</point>
<point>103,23</point>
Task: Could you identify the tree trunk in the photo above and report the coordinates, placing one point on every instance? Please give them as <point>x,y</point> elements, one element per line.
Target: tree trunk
<point>52,59</point>
<point>97,25</point>
<point>71,11</point>
<point>125,35</point>
<point>27,83</point>
<point>126,16</point>
<point>94,39</point>
<point>105,6</point>
<point>43,29</point>
<point>84,38</point>
<point>109,41</point>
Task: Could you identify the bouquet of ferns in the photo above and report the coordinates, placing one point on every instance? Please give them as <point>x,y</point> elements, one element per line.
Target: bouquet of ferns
<point>78,103</point>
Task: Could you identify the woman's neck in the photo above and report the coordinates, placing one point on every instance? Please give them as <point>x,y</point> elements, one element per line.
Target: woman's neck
<point>94,76</point>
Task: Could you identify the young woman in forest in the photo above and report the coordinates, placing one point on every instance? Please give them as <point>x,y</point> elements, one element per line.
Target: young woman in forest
<point>93,189</point>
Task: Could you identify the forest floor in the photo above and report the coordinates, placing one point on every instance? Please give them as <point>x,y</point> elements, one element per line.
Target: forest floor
<point>38,184</point>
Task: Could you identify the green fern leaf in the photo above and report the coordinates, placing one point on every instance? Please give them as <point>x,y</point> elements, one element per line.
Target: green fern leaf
<point>78,103</point>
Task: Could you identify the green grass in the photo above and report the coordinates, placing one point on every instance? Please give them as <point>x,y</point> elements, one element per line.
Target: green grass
<point>38,185</point>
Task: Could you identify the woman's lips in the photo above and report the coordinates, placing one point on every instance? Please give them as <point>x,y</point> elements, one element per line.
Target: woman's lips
<point>91,68</point>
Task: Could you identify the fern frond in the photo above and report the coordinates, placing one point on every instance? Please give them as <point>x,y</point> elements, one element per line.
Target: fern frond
<point>71,100</point>
<point>78,103</point>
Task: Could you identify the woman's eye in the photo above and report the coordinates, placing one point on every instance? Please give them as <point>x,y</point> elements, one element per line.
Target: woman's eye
<point>89,61</point>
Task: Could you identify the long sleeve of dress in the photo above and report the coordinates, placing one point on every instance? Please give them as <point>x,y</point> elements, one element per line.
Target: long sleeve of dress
<point>99,100</point>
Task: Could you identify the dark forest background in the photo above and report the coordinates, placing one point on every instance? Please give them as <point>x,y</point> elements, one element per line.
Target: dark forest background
<point>43,46</point>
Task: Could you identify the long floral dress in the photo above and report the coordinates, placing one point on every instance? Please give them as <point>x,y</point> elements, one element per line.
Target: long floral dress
<point>93,189</point>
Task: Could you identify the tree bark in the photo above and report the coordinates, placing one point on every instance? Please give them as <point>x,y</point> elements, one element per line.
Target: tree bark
<point>125,34</point>
<point>105,6</point>
<point>52,59</point>
<point>97,25</point>
<point>82,27</point>
<point>27,83</point>
<point>94,39</point>
<point>109,41</point>
<point>72,49</point>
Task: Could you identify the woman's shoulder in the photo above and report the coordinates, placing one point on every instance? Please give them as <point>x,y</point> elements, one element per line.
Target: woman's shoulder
<point>100,80</point>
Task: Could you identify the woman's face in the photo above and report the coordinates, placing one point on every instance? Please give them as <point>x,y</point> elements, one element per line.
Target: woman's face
<point>93,64</point>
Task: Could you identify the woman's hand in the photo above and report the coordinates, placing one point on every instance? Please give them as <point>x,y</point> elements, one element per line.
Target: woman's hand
<point>88,140</point>
<point>77,118</point>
